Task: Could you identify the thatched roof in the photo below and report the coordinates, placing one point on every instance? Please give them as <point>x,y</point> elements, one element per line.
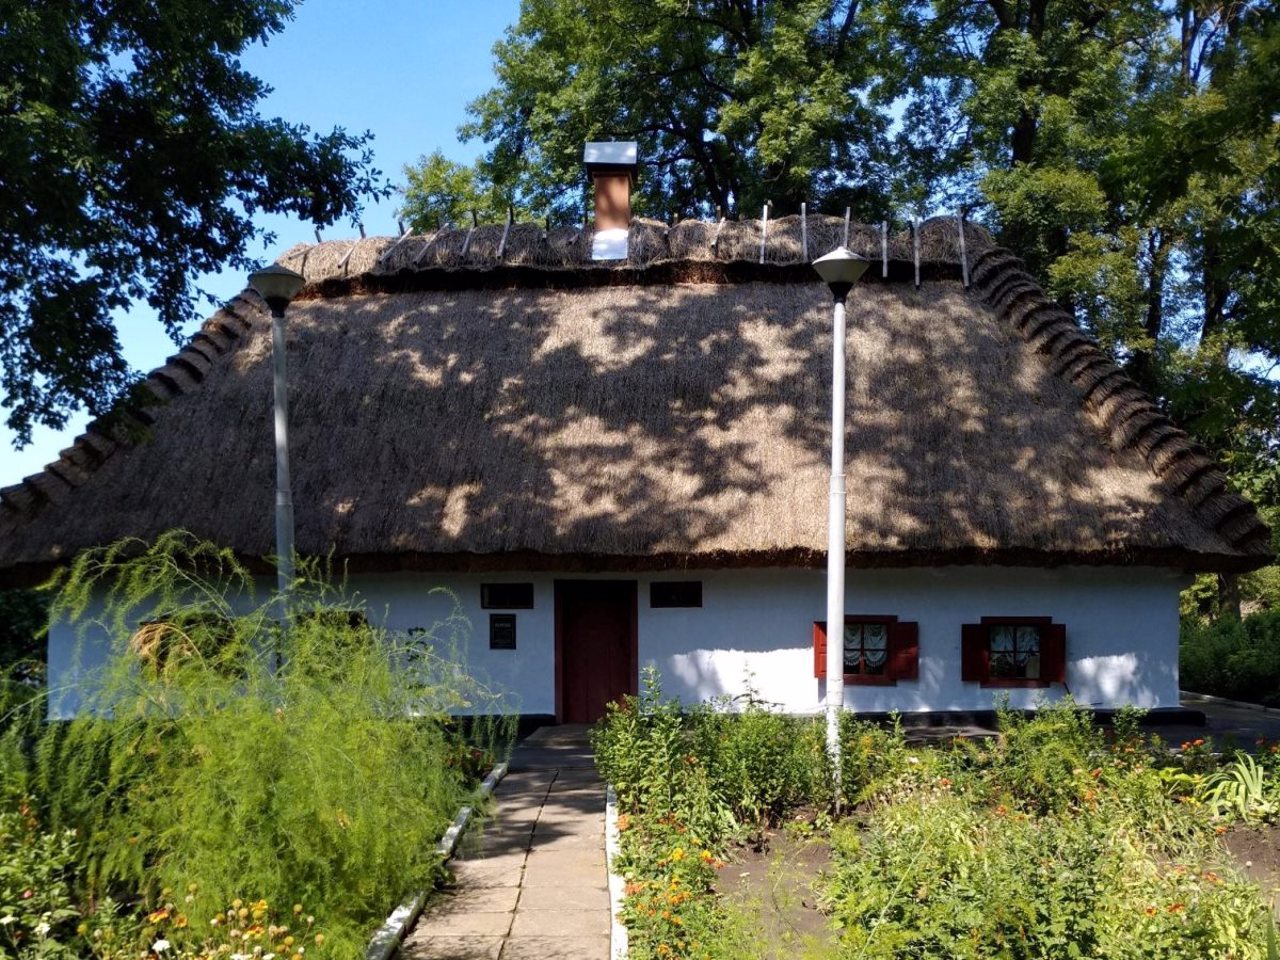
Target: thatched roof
<point>538,411</point>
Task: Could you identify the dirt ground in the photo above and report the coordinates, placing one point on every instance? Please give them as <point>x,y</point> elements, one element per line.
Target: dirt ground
<point>773,882</point>
<point>1257,849</point>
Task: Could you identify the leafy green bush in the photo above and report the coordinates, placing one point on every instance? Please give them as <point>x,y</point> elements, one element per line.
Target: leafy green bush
<point>711,767</point>
<point>37,910</point>
<point>222,755</point>
<point>1237,659</point>
<point>940,875</point>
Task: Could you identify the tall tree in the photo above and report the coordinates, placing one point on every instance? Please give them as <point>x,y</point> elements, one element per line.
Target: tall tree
<point>735,103</point>
<point>134,159</point>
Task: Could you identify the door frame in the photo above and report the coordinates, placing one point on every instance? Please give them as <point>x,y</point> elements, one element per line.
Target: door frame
<point>633,648</point>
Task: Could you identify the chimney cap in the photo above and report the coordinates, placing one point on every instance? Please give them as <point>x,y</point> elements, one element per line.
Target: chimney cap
<point>610,156</point>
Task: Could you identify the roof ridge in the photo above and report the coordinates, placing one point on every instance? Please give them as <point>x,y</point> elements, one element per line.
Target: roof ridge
<point>183,373</point>
<point>1129,416</point>
<point>793,239</point>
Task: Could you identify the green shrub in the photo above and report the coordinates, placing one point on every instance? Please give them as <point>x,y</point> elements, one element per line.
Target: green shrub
<point>1237,659</point>
<point>711,767</point>
<point>221,755</point>
<point>939,875</point>
<point>37,912</point>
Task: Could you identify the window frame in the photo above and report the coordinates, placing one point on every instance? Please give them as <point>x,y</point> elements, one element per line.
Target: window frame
<point>902,650</point>
<point>657,601</point>
<point>488,603</point>
<point>975,665</point>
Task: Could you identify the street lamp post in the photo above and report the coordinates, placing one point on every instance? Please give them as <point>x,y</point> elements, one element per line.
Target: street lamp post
<point>278,285</point>
<point>840,269</point>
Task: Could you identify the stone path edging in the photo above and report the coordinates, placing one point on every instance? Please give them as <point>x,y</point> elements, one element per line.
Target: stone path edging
<point>393,929</point>
<point>1241,704</point>
<point>618,937</point>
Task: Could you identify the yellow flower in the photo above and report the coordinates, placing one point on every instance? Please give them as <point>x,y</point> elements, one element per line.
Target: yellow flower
<point>297,908</point>
<point>180,920</point>
<point>319,939</point>
<point>677,854</point>
<point>158,915</point>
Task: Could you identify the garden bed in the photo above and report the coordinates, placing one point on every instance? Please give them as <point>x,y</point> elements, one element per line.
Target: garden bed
<point>1050,839</point>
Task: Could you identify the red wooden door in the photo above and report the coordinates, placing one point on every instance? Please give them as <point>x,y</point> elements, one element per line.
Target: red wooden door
<point>595,646</point>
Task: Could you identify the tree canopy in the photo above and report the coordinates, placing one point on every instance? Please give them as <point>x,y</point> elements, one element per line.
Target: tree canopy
<point>134,158</point>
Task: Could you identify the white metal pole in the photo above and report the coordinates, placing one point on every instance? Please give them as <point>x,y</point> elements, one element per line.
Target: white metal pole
<point>836,544</point>
<point>284,492</point>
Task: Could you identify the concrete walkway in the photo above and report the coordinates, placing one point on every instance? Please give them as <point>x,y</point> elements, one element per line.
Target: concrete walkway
<point>531,884</point>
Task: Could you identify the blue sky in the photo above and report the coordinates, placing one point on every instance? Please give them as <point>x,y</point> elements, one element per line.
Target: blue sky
<point>403,69</point>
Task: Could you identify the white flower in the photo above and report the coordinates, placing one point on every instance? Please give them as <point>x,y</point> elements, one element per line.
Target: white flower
<point>913,759</point>
<point>42,928</point>
<point>160,946</point>
<point>5,921</point>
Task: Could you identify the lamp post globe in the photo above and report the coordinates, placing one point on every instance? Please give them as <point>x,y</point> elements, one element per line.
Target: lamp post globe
<point>840,270</point>
<point>278,285</point>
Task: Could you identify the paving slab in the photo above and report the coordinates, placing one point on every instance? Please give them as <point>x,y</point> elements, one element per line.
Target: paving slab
<point>565,897</point>
<point>451,948</point>
<point>561,923</point>
<point>556,948</point>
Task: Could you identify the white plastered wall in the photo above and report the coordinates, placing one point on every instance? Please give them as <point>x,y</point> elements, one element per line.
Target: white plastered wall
<point>755,629</point>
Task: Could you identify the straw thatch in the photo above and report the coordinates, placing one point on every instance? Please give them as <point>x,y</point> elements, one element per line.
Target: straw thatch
<point>651,242</point>
<point>615,420</point>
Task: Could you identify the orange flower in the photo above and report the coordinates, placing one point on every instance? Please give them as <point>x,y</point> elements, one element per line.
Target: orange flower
<point>1150,911</point>
<point>1177,907</point>
<point>1199,742</point>
<point>1001,810</point>
<point>624,821</point>
<point>944,781</point>
<point>158,915</point>
<point>1219,830</point>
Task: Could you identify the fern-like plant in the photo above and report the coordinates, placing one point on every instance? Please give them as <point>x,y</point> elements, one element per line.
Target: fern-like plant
<point>224,752</point>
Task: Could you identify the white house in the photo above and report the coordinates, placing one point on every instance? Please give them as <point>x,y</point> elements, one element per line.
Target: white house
<point>621,464</point>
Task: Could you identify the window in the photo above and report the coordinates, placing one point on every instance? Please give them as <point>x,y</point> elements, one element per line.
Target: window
<point>675,593</point>
<point>502,631</point>
<point>877,650</point>
<point>506,596</point>
<point>1014,652</point>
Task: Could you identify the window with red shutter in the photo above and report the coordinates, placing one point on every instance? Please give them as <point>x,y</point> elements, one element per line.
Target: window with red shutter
<point>1013,652</point>
<point>877,649</point>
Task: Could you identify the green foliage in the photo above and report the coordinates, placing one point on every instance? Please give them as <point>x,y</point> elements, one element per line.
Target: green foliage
<point>940,875</point>
<point>1243,791</point>
<point>24,616</point>
<point>733,105</point>
<point>134,158</point>
<point>1043,760</point>
<point>37,913</point>
<point>220,754</point>
<point>441,193</point>
<point>1237,659</point>
<point>1045,842</point>
<point>712,767</point>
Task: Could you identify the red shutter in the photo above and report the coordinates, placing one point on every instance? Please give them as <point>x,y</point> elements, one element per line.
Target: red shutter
<point>974,652</point>
<point>820,649</point>
<point>1053,653</point>
<point>904,651</point>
